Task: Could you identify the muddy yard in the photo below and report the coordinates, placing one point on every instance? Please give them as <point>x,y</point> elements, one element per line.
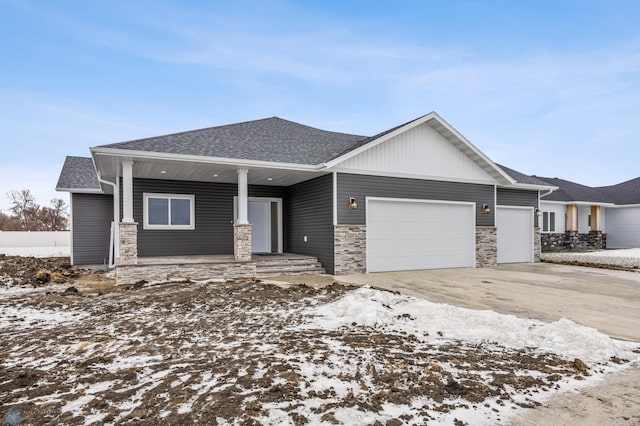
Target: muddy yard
<point>253,353</point>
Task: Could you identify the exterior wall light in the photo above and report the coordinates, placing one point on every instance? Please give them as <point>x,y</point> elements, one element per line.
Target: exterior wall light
<point>352,203</point>
<point>486,209</point>
<point>537,212</point>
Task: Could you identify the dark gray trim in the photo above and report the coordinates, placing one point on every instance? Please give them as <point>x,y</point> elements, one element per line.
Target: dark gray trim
<point>309,212</point>
<point>91,228</point>
<point>361,186</point>
<point>518,197</point>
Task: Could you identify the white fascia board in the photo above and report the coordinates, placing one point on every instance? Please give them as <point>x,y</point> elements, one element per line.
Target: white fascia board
<point>530,186</point>
<point>408,126</point>
<point>623,206</point>
<point>411,176</point>
<point>81,190</point>
<point>149,155</point>
<point>580,203</point>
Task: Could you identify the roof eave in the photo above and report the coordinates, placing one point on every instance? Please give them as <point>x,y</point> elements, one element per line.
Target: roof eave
<point>531,186</point>
<point>151,155</point>
<point>80,190</point>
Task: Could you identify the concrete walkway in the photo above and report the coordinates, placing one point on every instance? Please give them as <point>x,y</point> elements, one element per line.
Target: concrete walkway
<point>607,300</point>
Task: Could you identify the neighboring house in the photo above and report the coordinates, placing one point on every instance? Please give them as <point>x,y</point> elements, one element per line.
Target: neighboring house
<point>579,217</point>
<point>418,196</point>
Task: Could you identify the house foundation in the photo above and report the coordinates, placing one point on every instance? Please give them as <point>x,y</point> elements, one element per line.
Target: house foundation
<point>573,241</point>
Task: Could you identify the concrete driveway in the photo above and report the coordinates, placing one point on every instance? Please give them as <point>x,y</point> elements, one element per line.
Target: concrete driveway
<point>604,299</point>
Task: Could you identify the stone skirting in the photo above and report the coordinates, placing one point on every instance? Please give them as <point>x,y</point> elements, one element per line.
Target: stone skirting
<point>486,246</point>
<point>350,249</point>
<point>573,241</point>
<point>242,242</point>
<point>131,274</point>
<point>128,254</point>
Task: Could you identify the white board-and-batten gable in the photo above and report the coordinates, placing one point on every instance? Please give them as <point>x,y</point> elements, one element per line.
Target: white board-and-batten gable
<point>419,152</point>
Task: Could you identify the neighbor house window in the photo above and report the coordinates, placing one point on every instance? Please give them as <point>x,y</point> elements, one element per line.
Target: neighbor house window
<point>548,222</point>
<point>169,211</point>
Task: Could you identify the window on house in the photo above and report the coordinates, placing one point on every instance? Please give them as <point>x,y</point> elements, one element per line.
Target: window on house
<point>169,211</point>
<point>548,222</point>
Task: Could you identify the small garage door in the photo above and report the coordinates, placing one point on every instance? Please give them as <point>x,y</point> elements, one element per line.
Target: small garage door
<point>515,234</point>
<point>406,234</point>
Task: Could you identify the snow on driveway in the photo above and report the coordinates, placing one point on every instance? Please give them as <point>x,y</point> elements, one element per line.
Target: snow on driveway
<point>248,352</point>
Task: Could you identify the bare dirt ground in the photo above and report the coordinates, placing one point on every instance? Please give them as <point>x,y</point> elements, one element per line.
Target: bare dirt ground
<point>233,353</point>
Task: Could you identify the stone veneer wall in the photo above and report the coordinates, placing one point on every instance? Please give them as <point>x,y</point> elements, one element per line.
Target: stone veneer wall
<point>128,243</point>
<point>486,246</point>
<point>131,274</point>
<point>574,241</point>
<point>537,244</point>
<point>242,242</point>
<point>350,249</point>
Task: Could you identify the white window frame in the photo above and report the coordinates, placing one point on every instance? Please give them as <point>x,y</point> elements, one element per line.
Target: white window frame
<point>169,197</point>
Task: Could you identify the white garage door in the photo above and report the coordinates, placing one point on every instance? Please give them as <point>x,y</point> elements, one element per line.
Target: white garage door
<point>404,235</point>
<point>515,234</point>
<point>623,227</point>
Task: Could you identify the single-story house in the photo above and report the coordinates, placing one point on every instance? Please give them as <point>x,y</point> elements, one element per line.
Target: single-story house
<point>579,217</point>
<point>417,196</point>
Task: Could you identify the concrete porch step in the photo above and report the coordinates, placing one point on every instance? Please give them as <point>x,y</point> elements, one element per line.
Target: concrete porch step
<point>278,266</point>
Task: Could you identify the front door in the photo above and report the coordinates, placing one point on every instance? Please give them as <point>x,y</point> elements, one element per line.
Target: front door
<point>260,217</point>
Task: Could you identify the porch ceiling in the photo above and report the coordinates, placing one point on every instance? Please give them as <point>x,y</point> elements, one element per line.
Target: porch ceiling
<point>202,172</point>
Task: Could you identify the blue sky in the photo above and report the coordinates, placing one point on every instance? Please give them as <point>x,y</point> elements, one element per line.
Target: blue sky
<point>546,87</point>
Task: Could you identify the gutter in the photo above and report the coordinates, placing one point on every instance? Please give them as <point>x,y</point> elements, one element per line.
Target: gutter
<point>113,244</point>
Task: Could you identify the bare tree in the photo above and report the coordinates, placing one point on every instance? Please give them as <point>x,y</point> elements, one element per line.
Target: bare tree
<point>54,218</point>
<point>32,217</point>
<point>9,223</point>
<point>24,207</point>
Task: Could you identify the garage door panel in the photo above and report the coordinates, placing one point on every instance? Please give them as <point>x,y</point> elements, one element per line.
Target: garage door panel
<point>514,234</point>
<point>404,235</point>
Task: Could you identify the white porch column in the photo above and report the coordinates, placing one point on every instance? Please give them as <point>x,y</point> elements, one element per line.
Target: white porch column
<point>243,197</point>
<point>127,191</point>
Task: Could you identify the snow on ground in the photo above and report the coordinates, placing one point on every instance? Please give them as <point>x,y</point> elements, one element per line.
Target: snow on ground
<point>36,251</point>
<point>620,258</point>
<point>236,353</point>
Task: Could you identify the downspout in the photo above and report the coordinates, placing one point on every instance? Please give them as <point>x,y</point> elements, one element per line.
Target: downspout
<point>116,215</point>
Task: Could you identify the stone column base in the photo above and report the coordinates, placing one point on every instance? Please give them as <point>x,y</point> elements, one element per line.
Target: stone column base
<point>537,244</point>
<point>128,243</point>
<point>242,242</point>
<point>350,249</point>
<point>486,246</point>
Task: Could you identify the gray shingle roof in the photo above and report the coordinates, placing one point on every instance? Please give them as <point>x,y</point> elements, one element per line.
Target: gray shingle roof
<point>269,139</point>
<point>522,178</point>
<point>624,193</point>
<point>571,191</point>
<point>78,173</point>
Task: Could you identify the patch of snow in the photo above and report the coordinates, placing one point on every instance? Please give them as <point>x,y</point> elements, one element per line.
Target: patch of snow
<point>24,316</point>
<point>76,405</point>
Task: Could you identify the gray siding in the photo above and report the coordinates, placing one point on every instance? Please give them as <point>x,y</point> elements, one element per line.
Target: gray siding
<point>361,186</point>
<point>518,197</point>
<point>213,217</point>
<point>91,228</point>
<point>309,211</point>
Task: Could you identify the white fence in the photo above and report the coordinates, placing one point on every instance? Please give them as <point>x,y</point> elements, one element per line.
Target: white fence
<point>35,239</point>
